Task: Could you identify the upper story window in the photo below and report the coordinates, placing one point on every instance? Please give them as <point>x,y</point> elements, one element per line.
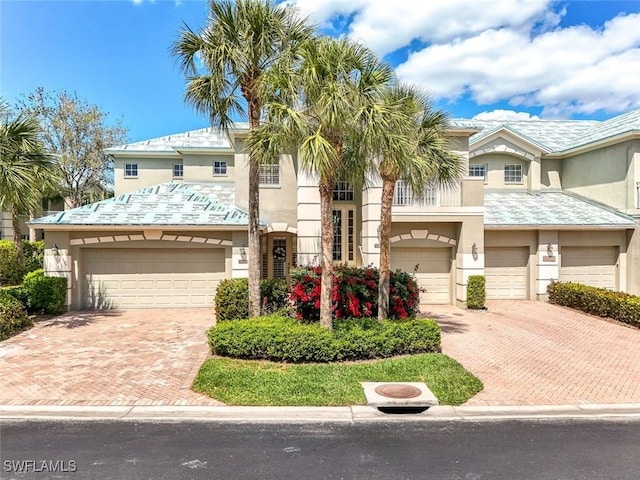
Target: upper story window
<point>178,170</point>
<point>269,174</point>
<point>343,192</point>
<point>220,168</point>
<point>478,170</point>
<point>130,170</point>
<point>513,174</point>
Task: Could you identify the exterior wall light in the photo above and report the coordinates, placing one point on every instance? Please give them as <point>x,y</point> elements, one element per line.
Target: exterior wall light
<point>474,251</point>
<point>55,250</point>
<point>549,249</point>
<point>243,255</point>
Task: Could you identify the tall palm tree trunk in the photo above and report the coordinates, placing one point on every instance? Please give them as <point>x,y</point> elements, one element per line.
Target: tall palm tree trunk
<point>388,187</point>
<point>326,282</point>
<point>254,218</point>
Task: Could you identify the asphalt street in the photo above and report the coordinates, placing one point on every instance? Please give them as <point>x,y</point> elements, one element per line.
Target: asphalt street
<point>523,449</point>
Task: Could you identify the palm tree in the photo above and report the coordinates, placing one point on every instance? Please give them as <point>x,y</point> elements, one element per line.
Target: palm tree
<point>243,40</point>
<point>320,106</point>
<point>419,154</point>
<point>24,169</point>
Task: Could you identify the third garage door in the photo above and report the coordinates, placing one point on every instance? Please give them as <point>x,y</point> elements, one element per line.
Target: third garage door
<point>595,266</point>
<point>506,272</point>
<point>433,271</point>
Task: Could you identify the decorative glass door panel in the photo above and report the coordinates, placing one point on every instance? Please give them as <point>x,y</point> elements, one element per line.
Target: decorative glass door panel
<point>344,224</point>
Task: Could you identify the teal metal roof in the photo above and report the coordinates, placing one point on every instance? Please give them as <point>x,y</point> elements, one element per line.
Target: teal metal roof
<point>507,208</point>
<point>554,136</point>
<point>204,138</point>
<point>174,204</point>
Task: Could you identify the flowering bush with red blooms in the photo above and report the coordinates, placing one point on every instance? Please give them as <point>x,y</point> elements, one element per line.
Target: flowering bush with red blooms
<point>354,294</point>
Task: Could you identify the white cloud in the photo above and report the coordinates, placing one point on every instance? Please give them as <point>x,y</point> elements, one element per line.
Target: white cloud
<point>576,69</point>
<point>386,26</point>
<point>505,115</point>
<point>499,50</point>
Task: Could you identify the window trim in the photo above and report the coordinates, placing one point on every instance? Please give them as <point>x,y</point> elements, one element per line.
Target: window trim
<point>173,170</point>
<point>277,169</point>
<point>345,189</point>
<point>486,171</point>
<point>130,166</point>
<point>219,166</point>
<point>513,182</point>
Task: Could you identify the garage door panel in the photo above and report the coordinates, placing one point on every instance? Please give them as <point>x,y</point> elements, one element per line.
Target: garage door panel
<point>134,278</point>
<point>506,272</point>
<point>595,266</point>
<point>433,272</point>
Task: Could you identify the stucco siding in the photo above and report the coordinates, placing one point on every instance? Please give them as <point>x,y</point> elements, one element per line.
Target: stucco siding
<point>604,175</point>
<point>495,170</point>
<point>151,171</point>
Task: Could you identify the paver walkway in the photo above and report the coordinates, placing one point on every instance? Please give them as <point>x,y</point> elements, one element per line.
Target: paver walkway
<point>137,357</point>
<point>534,353</point>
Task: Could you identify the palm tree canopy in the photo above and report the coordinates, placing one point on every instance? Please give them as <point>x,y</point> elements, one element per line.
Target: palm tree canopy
<point>225,61</point>
<point>26,170</point>
<point>418,149</point>
<point>322,104</point>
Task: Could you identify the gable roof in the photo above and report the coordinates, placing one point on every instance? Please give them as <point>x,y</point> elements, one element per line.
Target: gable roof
<point>167,204</point>
<point>555,136</point>
<point>558,209</point>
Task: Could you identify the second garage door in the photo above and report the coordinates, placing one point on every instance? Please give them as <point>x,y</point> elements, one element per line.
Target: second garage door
<point>595,266</point>
<point>506,272</point>
<point>433,272</point>
<point>145,278</point>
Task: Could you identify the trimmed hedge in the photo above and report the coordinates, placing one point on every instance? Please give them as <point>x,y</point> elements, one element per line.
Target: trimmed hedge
<point>13,316</point>
<point>355,293</point>
<point>45,294</point>
<point>596,301</point>
<point>283,339</point>
<point>232,297</point>
<point>476,292</point>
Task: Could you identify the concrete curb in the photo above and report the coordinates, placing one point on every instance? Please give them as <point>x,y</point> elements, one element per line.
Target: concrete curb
<point>353,414</point>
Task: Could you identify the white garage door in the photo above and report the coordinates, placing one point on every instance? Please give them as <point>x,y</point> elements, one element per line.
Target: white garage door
<point>505,269</point>
<point>433,274</point>
<point>158,278</point>
<point>595,266</point>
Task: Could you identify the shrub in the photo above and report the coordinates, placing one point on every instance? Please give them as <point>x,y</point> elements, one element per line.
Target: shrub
<point>33,255</point>
<point>355,293</point>
<point>16,291</point>
<point>13,316</point>
<point>232,297</point>
<point>11,269</point>
<point>45,294</point>
<point>283,339</point>
<point>597,301</point>
<point>476,292</point>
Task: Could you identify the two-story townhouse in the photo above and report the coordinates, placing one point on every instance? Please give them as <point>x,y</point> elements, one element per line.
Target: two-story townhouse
<point>543,200</point>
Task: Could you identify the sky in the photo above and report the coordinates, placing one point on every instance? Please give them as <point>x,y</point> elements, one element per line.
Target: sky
<point>491,59</point>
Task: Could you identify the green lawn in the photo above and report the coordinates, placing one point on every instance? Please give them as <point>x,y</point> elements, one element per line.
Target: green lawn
<point>251,382</point>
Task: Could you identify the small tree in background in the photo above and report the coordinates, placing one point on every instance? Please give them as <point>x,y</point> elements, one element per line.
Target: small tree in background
<point>76,133</point>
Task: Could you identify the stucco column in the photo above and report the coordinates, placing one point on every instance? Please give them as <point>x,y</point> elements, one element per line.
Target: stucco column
<point>469,255</point>
<point>239,255</point>
<point>533,178</point>
<point>371,198</point>
<point>308,213</point>
<point>58,260</point>
<point>547,262</point>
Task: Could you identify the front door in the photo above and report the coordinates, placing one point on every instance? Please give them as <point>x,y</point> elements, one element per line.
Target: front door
<point>344,223</point>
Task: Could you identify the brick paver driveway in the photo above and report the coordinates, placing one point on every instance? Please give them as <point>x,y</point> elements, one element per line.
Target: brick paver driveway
<point>137,357</point>
<point>535,353</point>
